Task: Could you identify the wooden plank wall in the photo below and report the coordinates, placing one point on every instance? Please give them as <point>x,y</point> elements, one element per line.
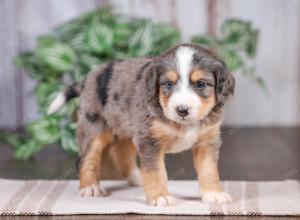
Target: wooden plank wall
<point>277,61</point>
<point>21,22</point>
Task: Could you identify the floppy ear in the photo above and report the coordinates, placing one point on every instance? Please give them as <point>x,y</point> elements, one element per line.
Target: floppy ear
<point>151,83</point>
<point>152,78</point>
<point>225,84</point>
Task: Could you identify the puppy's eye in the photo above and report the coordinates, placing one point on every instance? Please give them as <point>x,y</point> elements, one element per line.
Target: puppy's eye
<point>169,84</point>
<point>200,84</point>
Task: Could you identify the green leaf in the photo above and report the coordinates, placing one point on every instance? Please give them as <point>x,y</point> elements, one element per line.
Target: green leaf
<point>45,130</point>
<point>167,38</point>
<point>138,23</point>
<point>28,149</point>
<point>78,43</point>
<point>46,41</point>
<point>46,93</point>
<point>24,147</point>
<point>78,74</point>
<point>68,30</point>
<point>240,34</point>
<point>122,32</point>
<point>12,139</point>
<point>29,62</point>
<point>251,43</point>
<point>209,41</point>
<point>100,39</point>
<point>90,61</point>
<point>233,30</point>
<point>231,58</point>
<point>140,44</point>
<point>69,108</point>
<point>58,56</point>
<point>68,138</point>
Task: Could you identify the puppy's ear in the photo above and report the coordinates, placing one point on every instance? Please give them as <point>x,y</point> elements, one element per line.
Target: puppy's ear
<point>152,82</point>
<point>152,87</point>
<point>225,84</point>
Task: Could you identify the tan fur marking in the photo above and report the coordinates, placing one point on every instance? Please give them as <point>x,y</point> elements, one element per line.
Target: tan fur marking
<point>166,133</point>
<point>176,138</point>
<point>161,126</point>
<point>155,181</point>
<point>163,100</point>
<point>207,105</point>
<point>206,162</point>
<point>123,154</point>
<point>91,164</point>
<point>197,75</point>
<point>210,133</point>
<point>171,75</point>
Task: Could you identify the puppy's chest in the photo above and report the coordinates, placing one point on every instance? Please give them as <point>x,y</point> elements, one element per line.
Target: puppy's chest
<point>183,140</point>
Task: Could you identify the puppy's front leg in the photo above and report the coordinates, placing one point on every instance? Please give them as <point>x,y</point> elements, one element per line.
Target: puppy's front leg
<point>206,165</point>
<point>154,173</point>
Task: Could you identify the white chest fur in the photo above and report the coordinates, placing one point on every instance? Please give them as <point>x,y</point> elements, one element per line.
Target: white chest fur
<point>184,140</point>
<point>177,139</point>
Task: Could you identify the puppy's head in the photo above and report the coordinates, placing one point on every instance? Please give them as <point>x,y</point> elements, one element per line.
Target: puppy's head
<point>188,82</point>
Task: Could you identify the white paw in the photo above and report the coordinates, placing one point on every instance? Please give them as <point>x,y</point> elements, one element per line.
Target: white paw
<point>135,178</point>
<point>93,191</point>
<point>163,201</point>
<point>216,197</point>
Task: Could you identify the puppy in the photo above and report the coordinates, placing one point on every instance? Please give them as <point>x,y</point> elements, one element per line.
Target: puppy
<point>153,106</point>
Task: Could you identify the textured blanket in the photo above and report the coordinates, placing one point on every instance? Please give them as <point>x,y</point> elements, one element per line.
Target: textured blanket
<point>61,198</point>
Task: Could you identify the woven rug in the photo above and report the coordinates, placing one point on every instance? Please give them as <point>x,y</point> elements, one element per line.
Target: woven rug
<point>61,198</point>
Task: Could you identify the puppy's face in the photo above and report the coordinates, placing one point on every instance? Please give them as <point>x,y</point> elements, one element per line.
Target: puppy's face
<point>189,82</point>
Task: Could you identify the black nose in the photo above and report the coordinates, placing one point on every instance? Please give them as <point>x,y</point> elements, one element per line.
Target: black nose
<point>182,110</point>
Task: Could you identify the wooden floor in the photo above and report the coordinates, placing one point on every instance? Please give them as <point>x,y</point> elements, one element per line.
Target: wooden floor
<point>246,154</point>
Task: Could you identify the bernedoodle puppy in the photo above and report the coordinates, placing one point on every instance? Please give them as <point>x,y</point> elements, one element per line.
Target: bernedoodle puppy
<point>153,106</point>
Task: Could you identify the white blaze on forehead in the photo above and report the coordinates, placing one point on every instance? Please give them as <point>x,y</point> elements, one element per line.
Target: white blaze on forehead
<point>184,94</point>
<point>184,57</point>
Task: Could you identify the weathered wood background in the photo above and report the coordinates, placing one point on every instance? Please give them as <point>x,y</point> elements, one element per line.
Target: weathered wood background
<point>278,59</point>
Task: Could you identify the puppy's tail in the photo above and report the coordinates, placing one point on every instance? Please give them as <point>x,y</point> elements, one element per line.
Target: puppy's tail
<point>71,92</point>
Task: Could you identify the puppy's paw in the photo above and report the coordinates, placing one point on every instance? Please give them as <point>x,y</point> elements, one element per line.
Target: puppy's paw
<point>93,191</point>
<point>163,201</point>
<point>135,178</point>
<point>216,197</point>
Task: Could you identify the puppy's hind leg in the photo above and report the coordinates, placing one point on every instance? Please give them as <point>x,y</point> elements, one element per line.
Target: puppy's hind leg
<point>91,166</point>
<point>123,153</point>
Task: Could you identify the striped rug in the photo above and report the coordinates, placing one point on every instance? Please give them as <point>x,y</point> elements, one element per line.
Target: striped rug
<point>38,197</point>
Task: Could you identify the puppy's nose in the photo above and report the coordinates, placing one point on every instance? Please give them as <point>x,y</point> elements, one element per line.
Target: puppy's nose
<point>182,110</point>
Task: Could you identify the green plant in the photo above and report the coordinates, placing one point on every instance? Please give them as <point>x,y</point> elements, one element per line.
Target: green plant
<point>237,46</point>
<point>67,55</point>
